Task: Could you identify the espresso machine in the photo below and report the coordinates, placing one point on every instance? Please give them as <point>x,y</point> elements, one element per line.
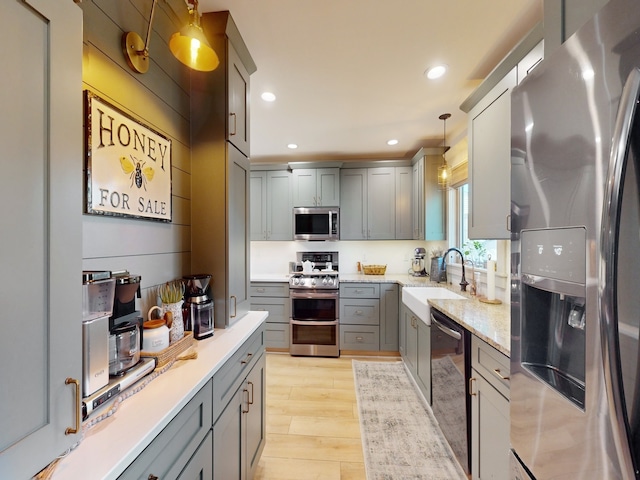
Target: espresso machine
<point>197,310</point>
<point>418,268</point>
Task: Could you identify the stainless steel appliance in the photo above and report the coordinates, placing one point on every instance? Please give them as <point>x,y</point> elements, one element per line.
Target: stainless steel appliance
<point>575,217</point>
<point>198,306</point>
<point>315,305</point>
<point>125,324</point>
<point>124,348</point>
<point>450,372</point>
<point>316,223</point>
<point>418,263</point>
<point>97,305</point>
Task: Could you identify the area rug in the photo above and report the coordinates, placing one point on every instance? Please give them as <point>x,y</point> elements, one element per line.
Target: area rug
<point>400,436</point>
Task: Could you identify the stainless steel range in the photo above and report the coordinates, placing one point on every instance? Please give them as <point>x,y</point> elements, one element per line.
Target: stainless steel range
<point>314,292</point>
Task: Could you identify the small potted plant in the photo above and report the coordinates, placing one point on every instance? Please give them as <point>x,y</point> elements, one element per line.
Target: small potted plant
<point>475,251</point>
<point>171,294</point>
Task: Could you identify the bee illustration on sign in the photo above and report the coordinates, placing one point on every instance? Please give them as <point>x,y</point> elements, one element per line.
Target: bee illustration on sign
<point>138,173</point>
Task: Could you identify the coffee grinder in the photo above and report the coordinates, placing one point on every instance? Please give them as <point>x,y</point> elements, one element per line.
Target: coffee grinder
<point>198,306</point>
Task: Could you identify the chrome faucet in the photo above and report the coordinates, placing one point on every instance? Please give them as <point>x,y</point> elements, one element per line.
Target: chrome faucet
<point>463,280</point>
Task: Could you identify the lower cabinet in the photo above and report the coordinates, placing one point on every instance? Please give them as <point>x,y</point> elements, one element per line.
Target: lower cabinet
<point>417,350</point>
<point>200,467</point>
<point>489,390</point>
<point>239,431</point>
<point>273,297</point>
<point>171,454</point>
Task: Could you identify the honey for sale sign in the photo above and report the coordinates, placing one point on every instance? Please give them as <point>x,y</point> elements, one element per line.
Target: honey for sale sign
<point>128,165</point>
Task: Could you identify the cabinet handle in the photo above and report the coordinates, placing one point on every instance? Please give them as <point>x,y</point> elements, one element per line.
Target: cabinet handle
<point>235,306</point>
<point>359,339</point>
<point>508,222</point>
<point>260,290</point>
<point>235,124</point>
<point>152,477</point>
<point>471,392</point>
<point>244,390</point>
<point>500,376</point>
<point>69,430</point>
<point>358,312</point>
<point>251,401</point>
<point>358,290</point>
<point>319,202</point>
<point>246,360</point>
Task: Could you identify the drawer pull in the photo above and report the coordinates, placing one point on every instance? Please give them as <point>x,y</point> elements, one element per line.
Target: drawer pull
<point>500,376</point>
<point>78,409</point>
<point>251,401</point>
<point>359,339</point>
<point>260,290</point>
<point>246,360</point>
<point>152,477</point>
<point>248,403</point>
<point>359,312</point>
<point>471,392</point>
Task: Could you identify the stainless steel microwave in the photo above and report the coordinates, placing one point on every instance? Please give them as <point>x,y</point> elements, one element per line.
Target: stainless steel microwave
<point>316,223</point>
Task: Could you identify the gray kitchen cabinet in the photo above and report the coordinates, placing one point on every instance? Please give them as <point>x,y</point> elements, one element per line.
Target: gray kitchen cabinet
<point>271,205</point>
<point>42,234</point>
<point>273,298</point>
<point>427,198</point>
<point>404,182</point>
<point>417,351</point>
<point>200,467</point>
<point>372,208</point>
<point>171,452</point>
<point>389,320</point>
<point>316,187</point>
<point>220,171</point>
<point>239,431</point>
<point>489,390</point>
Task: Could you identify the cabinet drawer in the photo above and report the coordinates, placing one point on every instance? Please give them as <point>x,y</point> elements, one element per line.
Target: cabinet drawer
<point>359,290</point>
<point>491,364</point>
<point>170,451</point>
<point>227,380</point>
<point>277,335</point>
<point>279,308</point>
<point>362,312</point>
<point>200,467</point>
<point>269,289</point>
<point>354,337</point>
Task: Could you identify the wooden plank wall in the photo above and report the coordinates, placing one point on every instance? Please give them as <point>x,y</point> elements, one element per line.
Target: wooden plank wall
<point>160,99</point>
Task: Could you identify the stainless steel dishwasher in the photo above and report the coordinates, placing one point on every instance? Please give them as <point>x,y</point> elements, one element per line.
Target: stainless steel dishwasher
<point>450,370</point>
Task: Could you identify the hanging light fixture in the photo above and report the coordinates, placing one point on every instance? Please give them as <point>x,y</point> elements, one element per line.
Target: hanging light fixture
<point>444,172</point>
<point>190,45</point>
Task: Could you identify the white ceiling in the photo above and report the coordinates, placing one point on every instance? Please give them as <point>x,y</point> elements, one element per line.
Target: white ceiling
<point>348,74</point>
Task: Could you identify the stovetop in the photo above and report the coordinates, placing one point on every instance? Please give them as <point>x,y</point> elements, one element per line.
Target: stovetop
<point>324,275</point>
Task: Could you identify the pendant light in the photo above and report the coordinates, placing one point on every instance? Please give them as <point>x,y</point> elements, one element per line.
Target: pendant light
<point>444,172</point>
<point>191,47</point>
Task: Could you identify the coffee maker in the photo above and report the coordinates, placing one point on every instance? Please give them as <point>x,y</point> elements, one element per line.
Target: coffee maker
<point>125,325</point>
<point>198,306</point>
<point>417,264</point>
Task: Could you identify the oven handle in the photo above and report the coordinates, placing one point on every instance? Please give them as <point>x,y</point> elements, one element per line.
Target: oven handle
<point>315,294</point>
<point>314,323</point>
<point>448,331</point>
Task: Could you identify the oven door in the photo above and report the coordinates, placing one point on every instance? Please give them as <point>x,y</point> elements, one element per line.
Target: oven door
<point>314,305</point>
<point>311,338</point>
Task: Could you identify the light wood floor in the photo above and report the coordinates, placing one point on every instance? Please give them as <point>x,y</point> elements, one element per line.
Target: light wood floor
<point>313,430</point>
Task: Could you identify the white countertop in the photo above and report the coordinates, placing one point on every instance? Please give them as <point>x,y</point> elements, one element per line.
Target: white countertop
<point>111,445</point>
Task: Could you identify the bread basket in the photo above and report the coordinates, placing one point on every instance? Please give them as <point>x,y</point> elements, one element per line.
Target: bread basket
<point>374,269</point>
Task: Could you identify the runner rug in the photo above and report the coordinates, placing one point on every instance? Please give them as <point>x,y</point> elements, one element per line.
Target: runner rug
<point>400,436</point>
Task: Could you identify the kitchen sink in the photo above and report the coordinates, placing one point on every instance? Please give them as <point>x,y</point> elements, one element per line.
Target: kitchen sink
<point>416,298</point>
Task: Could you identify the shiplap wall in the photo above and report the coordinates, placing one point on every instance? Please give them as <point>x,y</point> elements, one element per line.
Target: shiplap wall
<point>160,99</point>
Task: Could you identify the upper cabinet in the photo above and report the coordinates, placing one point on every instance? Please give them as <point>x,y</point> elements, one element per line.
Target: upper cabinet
<point>316,187</point>
<point>427,198</point>
<point>220,170</point>
<point>271,210</point>
<point>41,363</point>
<point>489,133</point>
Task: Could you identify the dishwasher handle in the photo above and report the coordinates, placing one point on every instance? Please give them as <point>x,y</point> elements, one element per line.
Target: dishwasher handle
<point>446,330</point>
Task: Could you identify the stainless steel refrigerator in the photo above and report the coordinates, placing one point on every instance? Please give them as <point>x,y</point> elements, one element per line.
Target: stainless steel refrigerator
<point>575,394</point>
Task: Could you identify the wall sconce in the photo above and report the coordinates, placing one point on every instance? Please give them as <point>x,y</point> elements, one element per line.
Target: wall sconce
<point>189,45</point>
<point>444,172</point>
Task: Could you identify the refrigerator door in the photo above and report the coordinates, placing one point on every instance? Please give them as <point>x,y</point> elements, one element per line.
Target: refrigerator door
<point>620,303</point>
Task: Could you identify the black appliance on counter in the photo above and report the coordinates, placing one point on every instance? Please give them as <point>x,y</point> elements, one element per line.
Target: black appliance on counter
<point>314,293</point>
<point>198,306</point>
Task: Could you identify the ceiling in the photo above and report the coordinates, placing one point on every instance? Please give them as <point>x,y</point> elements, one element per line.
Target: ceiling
<point>348,75</point>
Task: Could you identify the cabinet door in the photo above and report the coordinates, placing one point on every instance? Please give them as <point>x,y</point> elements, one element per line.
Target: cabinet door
<point>434,202</point>
<point>328,187</point>
<point>389,304</point>
<point>258,190</point>
<point>255,418</point>
<point>402,330</point>
<point>227,440</point>
<point>279,207</point>
<point>41,240</point>
<point>417,200</point>
<point>404,225</point>
<point>304,187</point>
<point>353,212</point>
<point>200,467</point>
<point>411,327</point>
<point>423,360</point>
<point>238,235</point>
<point>238,102</point>
<point>490,161</point>
<point>381,197</point>
<point>489,431</point>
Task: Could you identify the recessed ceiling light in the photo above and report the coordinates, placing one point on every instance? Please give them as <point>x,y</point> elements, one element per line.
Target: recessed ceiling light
<point>268,97</point>
<point>292,146</point>
<point>392,142</point>
<point>436,72</point>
